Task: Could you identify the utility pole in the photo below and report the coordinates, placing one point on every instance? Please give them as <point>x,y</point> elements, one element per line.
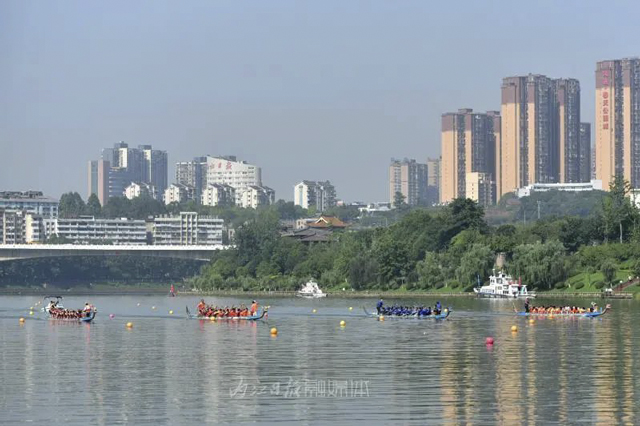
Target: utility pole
<point>538,209</point>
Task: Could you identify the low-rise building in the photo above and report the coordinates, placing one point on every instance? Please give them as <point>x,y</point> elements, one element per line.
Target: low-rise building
<point>188,228</point>
<point>137,189</point>
<point>255,196</point>
<point>178,193</point>
<point>594,185</point>
<point>90,230</point>
<point>29,201</point>
<point>218,194</point>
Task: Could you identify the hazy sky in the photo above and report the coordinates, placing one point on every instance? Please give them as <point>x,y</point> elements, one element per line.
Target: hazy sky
<point>306,90</point>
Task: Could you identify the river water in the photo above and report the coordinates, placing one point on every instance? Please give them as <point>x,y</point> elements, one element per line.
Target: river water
<point>174,371</point>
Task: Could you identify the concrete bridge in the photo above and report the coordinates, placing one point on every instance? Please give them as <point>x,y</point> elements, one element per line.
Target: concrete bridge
<point>31,251</point>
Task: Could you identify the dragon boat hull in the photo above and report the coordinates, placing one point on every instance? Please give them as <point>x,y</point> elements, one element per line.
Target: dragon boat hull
<point>82,319</point>
<point>582,315</point>
<point>251,318</point>
<point>441,316</point>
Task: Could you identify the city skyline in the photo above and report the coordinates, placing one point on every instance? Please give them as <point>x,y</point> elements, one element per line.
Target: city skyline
<point>380,78</point>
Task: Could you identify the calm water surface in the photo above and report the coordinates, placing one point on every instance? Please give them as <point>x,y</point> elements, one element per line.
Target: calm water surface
<point>169,370</point>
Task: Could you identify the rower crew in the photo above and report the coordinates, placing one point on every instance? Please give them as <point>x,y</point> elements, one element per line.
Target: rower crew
<point>201,307</point>
<point>438,308</point>
<point>526,305</point>
<point>254,307</point>
<point>379,305</point>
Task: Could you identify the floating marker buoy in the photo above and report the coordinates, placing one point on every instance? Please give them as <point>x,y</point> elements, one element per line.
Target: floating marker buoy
<point>153,307</point>
<point>30,312</point>
<point>111,316</point>
<point>351,308</point>
<point>532,321</point>
<point>314,311</point>
<point>514,328</point>
<point>489,340</point>
<point>381,318</point>
<point>274,331</point>
<point>21,320</point>
<point>129,325</point>
<point>170,312</point>
<point>342,323</point>
<point>138,304</point>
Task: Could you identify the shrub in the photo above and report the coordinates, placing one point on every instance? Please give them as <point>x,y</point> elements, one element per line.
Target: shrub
<point>579,285</point>
<point>453,284</point>
<point>439,286</point>
<point>560,285</point>
<point>599,284</point>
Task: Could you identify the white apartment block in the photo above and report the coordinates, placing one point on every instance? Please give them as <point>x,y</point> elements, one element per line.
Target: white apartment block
<point>137,189</point>
<point>321,195</point>
<point>237,174</point>
<point>255,196</point>
<point>218,194</point>
<point>188,228</point>
<point>178,193</point>
<point>89,230</point>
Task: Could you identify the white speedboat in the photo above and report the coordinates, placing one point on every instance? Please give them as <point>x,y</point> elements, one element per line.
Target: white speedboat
<point>502,286</point>
<point>311,290</point>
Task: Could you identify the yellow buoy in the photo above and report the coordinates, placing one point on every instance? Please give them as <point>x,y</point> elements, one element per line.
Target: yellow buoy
<point>532,321</point>
<point>342,323</point>
<point>30,312</point>
<point>381,318</point>
<point>274,331</point>
<point>138,304</point>
<point>213,319</point>
<point>351,308</point>
<point>514,328</point>
<point>314,311</point>
<point>153,307</point>
<point>170,312</point>
<point>129,325</point>
<point>21,320</point>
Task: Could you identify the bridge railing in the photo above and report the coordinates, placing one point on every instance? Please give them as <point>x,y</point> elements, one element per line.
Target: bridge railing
<point>107,247</point>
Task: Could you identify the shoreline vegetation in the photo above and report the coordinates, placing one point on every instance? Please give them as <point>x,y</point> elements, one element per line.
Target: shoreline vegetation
<point>587,243</point>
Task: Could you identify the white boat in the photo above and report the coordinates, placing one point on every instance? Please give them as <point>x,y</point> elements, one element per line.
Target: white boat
<point>311,290</point>
<point>502,286</point>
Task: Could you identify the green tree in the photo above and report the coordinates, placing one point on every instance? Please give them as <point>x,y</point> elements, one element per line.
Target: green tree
<point>93,208</point>
<point>540,265</point>
<point>71,205</point>
<point>608,269</point>
<point>399,201</point>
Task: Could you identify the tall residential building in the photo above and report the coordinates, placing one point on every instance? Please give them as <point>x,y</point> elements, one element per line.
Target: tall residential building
<point>468,145</point>
<point>585,152</point>
<point>409,178</point>
<point>188,228</point>
<point>433,181</point>
<point>155,167</point>
<point>193,174</point>
<point>142,164</point>
<point>567,93</point>
<point>540,132</point>
<point>617,124</point>
<point>321,195</point>
<point>99,179</point>
<point>238,174</point>
<point>480,188</point>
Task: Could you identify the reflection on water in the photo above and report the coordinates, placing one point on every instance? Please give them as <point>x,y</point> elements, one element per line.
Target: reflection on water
<point>170,370</point>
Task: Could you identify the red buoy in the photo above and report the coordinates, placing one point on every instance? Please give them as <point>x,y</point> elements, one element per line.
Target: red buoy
<point>489,340</point>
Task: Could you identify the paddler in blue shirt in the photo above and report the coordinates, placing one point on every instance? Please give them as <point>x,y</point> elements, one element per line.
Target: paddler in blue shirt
<point>438,308</point>
<point>379,305</point>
